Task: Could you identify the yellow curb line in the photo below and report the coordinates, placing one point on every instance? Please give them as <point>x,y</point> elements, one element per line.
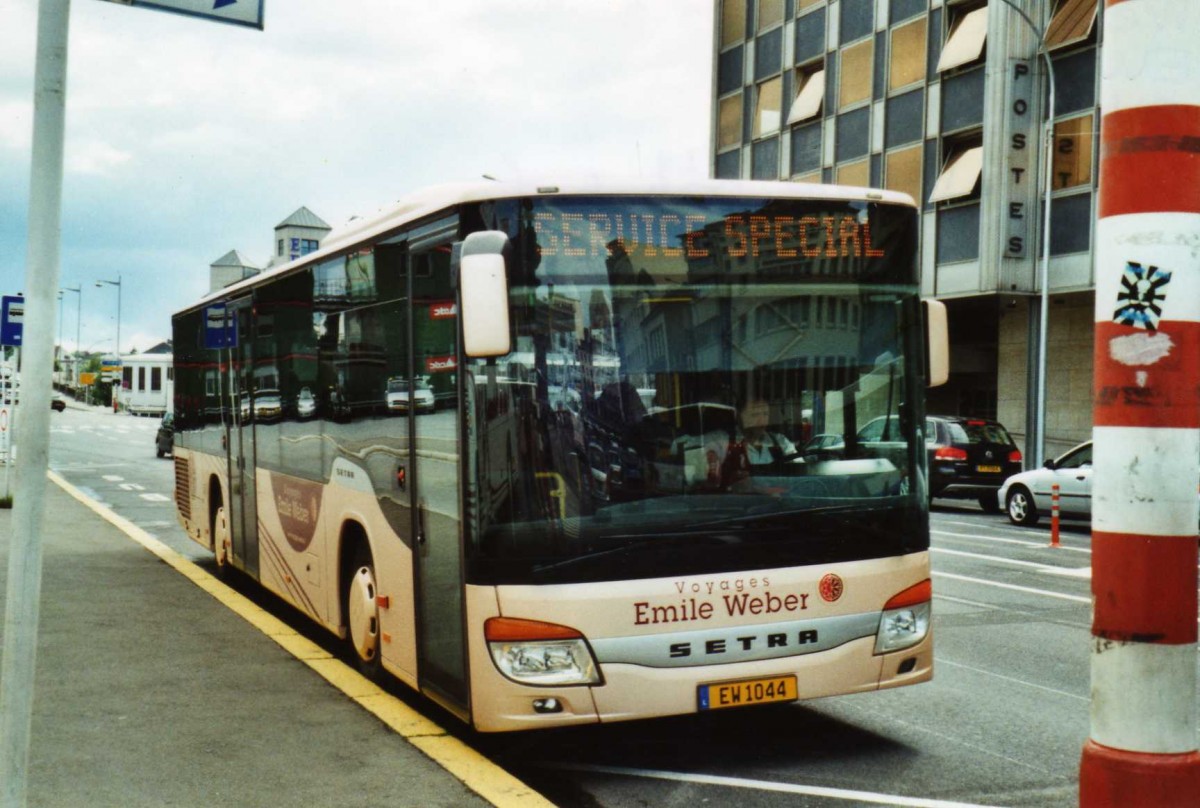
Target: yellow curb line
<point>474,770</point>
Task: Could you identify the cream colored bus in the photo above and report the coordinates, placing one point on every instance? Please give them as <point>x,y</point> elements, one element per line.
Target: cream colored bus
<point>614,506</point>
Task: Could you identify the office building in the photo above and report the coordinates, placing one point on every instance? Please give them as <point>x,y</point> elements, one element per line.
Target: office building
<point>945,101</point>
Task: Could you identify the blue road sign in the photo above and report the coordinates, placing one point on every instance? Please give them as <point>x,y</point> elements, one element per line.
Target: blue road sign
<point>220,327</point>
<point>236,12</point>
<point>12,320</point>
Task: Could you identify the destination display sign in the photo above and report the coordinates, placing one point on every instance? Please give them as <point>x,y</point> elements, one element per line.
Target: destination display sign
<point>696,236</point>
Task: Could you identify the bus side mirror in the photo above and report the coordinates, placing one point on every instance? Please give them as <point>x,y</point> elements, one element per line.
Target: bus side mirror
<point>937,343</point>
<point>483,290</point>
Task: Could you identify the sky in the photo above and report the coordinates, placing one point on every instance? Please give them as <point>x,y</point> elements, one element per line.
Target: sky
<point>187,138</point>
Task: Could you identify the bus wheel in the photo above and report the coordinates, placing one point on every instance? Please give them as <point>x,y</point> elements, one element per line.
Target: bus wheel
<point>220,536</point>
<point>362,615</point>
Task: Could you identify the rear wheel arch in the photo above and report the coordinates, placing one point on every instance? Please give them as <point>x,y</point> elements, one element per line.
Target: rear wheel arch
<point>352,543</point>
<point>359,591</point>
<point>216,501</point>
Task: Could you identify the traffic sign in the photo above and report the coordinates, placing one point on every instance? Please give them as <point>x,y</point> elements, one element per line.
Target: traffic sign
<point>12,320</point>
<point>220,327</point>
<point>236,12</point>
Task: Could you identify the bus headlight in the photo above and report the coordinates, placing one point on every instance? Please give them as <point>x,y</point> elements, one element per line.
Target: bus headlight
<point>534,653</point>
<point>905,619</point>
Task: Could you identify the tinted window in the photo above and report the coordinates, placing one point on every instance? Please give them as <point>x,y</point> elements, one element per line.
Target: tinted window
<point>1070,224</point>
<point>768,54</point>
<point>810,36</point>
<point>962,100</point>
<point>905,118</point>
<point>853,134</point>
<point>979,432</point>
<point>903,9</point>
<point>729,71</point>
<point>806,148</point>
<point>729,165</point>
<point>1076,459</point>
<point>1075,82</point>
<point>958,234</point>
<point>857,20</point>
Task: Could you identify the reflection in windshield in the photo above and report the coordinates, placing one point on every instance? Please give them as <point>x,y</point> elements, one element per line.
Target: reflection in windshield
<point>702,384</point>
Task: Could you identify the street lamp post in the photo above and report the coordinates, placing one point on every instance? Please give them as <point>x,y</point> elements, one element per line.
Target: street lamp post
<point>1039,445</point>
<point>78,290</point>
<point>116,283</point>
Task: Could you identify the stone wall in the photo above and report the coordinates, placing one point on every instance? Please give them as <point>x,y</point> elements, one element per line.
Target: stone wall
<point>1068,370</point>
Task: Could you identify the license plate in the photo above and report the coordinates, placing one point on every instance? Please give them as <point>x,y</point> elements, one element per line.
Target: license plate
<point>748,691</point>
<point>988,469</point>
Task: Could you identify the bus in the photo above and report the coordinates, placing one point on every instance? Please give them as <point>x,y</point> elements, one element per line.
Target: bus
<point>580,530</point>
<point>146,382</point>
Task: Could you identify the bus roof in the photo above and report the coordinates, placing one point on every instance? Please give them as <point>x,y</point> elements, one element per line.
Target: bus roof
<point>428,201</point>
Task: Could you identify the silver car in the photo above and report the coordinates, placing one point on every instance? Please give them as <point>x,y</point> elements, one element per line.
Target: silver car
<point>1026,496</point>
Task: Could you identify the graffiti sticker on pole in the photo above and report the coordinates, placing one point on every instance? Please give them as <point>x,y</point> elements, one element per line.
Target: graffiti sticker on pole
<point>1143,290</point>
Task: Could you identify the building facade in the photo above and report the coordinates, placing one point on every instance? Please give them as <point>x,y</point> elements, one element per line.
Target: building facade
<point>945,100</point>
<point>297,235</point>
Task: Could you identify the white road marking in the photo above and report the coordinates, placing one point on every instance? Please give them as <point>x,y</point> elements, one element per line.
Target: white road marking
<point>997,539</point>
<point>1028,589</point>
<point>767,785</point>
<point>113,478</point>
<point>1010,609</point>
<point>131,487</point>
<point>1078,572</point>
<point>155,497</point>
<point>942,661</point>
<point>1070,572</point>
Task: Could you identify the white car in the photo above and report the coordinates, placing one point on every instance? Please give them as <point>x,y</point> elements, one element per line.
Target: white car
<point>1026,496</point>
<point>397,396</point>
<point>306,404</point>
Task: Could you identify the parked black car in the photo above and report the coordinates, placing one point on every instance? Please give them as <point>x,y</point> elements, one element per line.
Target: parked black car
<point>970,458</point>
<point>57,402</point>
<point>164,441</point>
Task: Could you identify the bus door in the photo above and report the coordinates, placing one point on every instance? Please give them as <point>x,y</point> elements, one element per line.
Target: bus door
<point>433,396</point>
<point>243,512</point>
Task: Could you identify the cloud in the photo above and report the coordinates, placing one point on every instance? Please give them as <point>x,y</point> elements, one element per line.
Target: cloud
<point>186,138</point>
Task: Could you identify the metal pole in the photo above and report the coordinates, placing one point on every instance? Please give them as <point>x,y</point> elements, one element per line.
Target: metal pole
<point>78,290</point>
<point>1039,455</point>
<point>41,281</point>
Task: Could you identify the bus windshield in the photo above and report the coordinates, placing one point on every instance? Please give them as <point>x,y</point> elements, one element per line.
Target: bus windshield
<point>698,385</point>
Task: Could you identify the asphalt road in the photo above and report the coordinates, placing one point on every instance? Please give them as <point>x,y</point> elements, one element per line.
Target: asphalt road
<point>1002,723</point>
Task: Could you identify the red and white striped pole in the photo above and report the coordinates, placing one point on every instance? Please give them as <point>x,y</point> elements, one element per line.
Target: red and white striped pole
<point>1143,747</point>
<point>1054,515</point>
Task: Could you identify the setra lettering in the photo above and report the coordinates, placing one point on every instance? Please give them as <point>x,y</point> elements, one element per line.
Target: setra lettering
<point>753,642</point>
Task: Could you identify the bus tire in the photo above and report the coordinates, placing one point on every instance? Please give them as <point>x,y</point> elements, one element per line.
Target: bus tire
<point>362,615</point>
<point>220,540</point>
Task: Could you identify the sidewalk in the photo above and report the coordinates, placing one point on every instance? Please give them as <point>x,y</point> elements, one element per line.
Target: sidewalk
<point>152,692</point>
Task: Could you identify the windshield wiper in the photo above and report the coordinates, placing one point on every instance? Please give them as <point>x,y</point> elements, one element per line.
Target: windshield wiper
<point>640,540</point>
